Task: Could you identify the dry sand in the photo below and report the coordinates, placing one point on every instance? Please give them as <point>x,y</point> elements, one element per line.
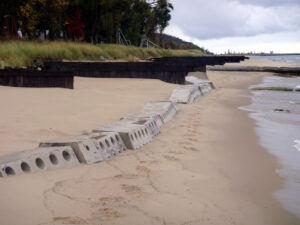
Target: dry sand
<point>206,167</point>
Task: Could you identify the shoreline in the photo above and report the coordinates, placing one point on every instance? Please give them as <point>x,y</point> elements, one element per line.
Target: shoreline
<point>277,132</point>
<point>259,165</point>
<point>206,167</point>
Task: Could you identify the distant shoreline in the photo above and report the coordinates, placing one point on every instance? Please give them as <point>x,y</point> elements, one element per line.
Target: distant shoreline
<point>279,54</point>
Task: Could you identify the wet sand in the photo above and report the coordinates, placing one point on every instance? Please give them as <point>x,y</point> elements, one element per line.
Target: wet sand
<point>206,167</point>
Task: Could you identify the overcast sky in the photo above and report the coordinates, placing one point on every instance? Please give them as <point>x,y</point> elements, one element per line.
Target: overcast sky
<point>238,25</point>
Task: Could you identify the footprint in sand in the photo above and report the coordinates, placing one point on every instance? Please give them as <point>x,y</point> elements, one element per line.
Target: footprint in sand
<point>111,201</point>
<point>143,169</point>
<point>183,143</point>
<point>105,214</point>
<point>191,149</point>
<point>171,158</point>
<point>192,139</point>
<point>69,220</point>
<point>176,152</point>
<point>133,190</point>
<point>126,176</point>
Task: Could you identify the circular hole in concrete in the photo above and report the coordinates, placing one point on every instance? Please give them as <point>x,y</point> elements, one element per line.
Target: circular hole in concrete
<point>107,143</point>
<point>25,167</point>
<point>9,171</point>
<point>40,163</point>
<point>66,155</point>
<point>87,147</point>
<point>112,140</point>
<point>117,138</point>
<point>101,144</point>
<point>53,159</point>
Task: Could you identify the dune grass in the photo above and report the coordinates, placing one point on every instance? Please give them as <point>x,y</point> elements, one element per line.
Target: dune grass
<point>30,53</point>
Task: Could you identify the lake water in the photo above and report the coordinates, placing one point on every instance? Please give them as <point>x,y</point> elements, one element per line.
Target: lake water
<point>295,59</point>
<point>277,117</point>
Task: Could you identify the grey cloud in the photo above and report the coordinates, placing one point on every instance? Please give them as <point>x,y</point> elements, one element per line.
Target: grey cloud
<point>204,19</point>
<point>269,2</point>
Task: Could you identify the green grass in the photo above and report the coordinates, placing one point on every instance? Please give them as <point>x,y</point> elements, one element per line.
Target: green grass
<point>272,89</point>
<point>30,53</point>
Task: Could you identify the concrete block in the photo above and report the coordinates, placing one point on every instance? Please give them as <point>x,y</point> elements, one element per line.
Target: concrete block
<point>166,109</point>
<point>180,96</point>
<point>145,116</point>
<point>195,96</point>
<point>87,150</point>
<point>38,159</point>
<point>186,94</point>
<point>133,135</point>
<point>204,88</point>
<point>204,85</point>
<point>109,143</point>
<point>149,121</point>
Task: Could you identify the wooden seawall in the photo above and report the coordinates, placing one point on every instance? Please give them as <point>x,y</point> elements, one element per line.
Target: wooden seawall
<point>168,69</point>
<point>61,74</point>
<point>36,78</point>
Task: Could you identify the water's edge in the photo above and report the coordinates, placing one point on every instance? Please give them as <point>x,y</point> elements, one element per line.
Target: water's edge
<point>279,133</point>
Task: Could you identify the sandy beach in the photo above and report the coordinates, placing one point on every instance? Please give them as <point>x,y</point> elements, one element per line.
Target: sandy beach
<point>206,166</point>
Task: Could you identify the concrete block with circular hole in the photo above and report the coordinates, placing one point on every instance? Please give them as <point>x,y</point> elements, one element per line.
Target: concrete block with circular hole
<point>149,122</point>
<point>109,142</point>
<point>166,109</point>
<point>87,150</point>
<point>133,135</point>
<point>38,159</point>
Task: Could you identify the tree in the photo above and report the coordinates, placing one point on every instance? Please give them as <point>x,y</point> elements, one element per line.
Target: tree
<point>138,20</point>
<point>75,26</point>
<point>51,16</point>
<point>162,14</point>
<point>9,8</point>
<point>90,17</point>
<point>28,17</point>
<point>102,18</point>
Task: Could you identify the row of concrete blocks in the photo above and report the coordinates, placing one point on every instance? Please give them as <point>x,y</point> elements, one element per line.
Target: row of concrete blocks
<point>139,129</point>
<point>131,132</point>
<point>191,93</point>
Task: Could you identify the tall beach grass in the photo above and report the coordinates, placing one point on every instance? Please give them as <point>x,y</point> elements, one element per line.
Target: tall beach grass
<point>30,53</point>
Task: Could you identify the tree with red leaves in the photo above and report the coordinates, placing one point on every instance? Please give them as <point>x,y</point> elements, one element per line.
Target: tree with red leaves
<point>75,26</point>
